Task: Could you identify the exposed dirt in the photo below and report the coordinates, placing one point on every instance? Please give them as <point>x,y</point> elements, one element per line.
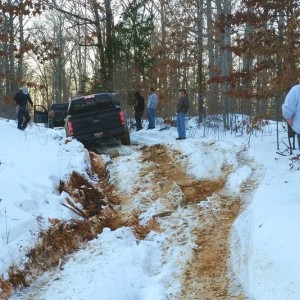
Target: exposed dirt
<point>89,201</point>
<point>100,205</point>
<point>206,276</point>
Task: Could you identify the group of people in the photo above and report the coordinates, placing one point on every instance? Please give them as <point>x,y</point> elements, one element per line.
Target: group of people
<point>182,108</point>
<point>139,109</point>
<point>22,98</point>
<point>290,110</point>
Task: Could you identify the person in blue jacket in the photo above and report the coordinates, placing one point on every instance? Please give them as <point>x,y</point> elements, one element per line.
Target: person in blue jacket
<point>151,108</point>
<point>291,110</point>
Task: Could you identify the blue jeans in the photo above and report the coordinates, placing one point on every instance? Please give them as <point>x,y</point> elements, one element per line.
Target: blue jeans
<point>151,117</point>
<point>298,138</point>
<point>180,122</point>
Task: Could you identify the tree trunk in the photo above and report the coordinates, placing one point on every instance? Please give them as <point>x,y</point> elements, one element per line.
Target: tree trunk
<point>226,61</point>
<point>200,91</point>
<point>109,45</point>
<point>100,47</point>
<point>212,95</point>
<point>246,106</point>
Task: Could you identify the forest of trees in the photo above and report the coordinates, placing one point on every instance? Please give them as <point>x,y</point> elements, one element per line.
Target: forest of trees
<point>233,57</point>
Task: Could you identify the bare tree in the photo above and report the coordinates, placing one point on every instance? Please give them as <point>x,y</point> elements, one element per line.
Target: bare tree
<point>212,93</point>
<point>200,65</point>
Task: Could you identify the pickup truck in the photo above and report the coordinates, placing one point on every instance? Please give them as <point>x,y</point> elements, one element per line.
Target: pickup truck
<point>57,114</point>
<point>54,117</point>
<point>96,117</point>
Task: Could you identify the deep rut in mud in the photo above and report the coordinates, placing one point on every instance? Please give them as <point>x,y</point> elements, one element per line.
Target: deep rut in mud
<point>206,275</point>
<point>101,204</point>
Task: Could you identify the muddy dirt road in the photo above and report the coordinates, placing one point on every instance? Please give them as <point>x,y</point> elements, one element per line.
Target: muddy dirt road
<point>192,212</point>
<point>205,276</point>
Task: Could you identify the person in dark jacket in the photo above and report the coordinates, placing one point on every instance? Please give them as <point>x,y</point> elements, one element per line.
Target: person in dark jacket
<point>22,97</point>
<point>181,110</point>
<point>139,109</point>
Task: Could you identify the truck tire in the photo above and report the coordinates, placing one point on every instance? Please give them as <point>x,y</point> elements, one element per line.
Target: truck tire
<point>125,139</point>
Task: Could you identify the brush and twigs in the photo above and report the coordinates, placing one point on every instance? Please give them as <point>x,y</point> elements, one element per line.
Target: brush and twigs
<point>73,207</point>
<point>285,152</point>
<point>251,126</point>
<point>295,162</point>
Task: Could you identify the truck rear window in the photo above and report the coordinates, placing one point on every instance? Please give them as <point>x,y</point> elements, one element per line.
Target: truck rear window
<point>59,106</point>
<point>90,103</point>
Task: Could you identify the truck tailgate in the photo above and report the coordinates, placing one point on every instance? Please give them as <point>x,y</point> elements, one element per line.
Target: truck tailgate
<point>96,121</point>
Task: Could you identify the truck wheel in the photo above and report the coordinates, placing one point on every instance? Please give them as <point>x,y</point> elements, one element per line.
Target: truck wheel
<point>125,139</point>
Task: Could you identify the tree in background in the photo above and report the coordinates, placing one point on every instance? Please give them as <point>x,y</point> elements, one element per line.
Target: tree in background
<point>133,38</point>
<point>15,42</point>
<point>231,56</point>
<point>132,46</point>
<point>269,51</point>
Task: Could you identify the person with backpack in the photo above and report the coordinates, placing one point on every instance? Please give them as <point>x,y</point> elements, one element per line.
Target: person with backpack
<point>22,97</point>
<point>139,110</point>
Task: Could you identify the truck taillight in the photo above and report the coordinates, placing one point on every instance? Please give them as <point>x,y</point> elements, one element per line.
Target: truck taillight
<point>122,118</point>
<point>70,127</point>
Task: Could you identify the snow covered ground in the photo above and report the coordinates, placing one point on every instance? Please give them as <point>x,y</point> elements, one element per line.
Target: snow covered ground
<point>265,242</point>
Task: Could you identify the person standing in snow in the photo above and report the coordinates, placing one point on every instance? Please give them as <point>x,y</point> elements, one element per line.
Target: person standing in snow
<point>291,110</point>
<point>22,97</point>
<point>139,109</point>
<point>151,108</point>
<point>182,108</point>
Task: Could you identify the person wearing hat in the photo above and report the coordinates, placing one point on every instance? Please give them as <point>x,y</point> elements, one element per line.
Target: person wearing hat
<point>139,108</point>
<point>182,108</point>
<point>22,97</point>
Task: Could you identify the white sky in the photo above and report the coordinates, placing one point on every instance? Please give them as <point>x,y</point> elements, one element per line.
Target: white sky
<point>265,238</point>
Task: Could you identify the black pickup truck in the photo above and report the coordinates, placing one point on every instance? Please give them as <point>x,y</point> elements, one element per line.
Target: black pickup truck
<point>57,114</point>
<point>96,117</point>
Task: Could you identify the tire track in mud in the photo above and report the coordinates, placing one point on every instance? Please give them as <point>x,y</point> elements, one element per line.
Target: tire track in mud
<point>206,274</point>
<point>164,179</point>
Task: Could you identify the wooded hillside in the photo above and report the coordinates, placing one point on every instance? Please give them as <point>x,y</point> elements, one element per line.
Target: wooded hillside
<point>231,56</point>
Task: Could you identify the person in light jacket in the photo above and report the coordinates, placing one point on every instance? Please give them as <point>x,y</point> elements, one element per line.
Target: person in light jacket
<point>291,110</point>
<point>182,108</point>
<point>151,108</point>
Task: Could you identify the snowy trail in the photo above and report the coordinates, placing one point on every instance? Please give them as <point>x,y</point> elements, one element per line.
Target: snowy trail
<point>164,212</point>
